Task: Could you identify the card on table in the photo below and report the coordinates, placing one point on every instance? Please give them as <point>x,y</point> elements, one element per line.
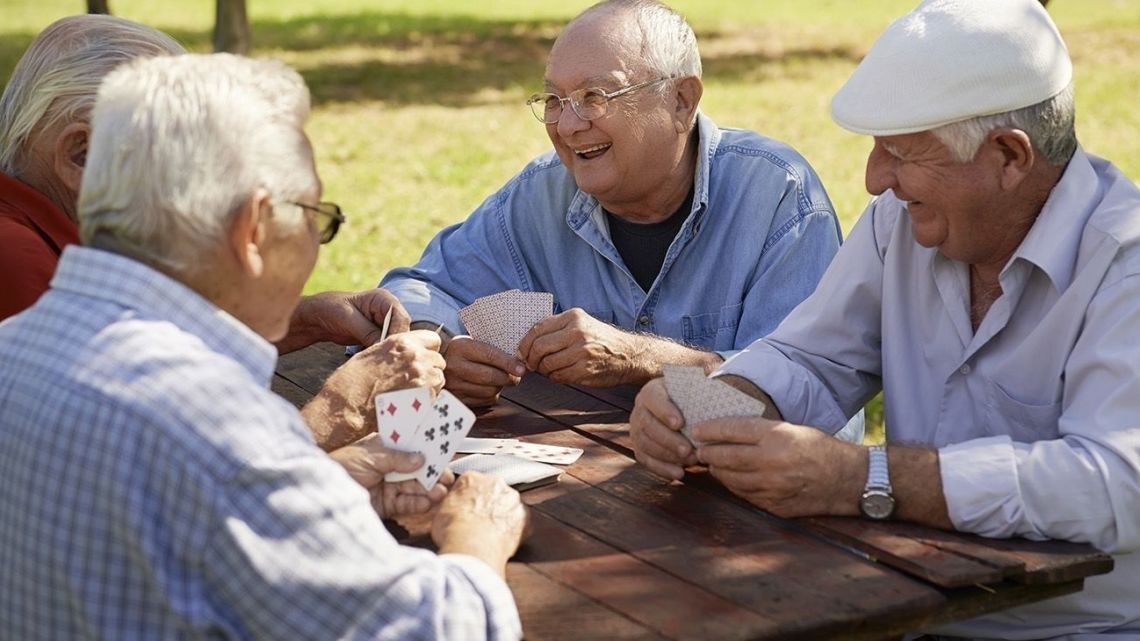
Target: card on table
<point>503,319</point>
<point>533,451</point>
<point>701,398</point>
<point>519,473</point>
<point>410,421</point>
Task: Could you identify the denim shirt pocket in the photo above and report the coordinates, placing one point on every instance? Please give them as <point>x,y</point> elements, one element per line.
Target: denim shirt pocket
<point>714,330</point>
<point>1023,422</point>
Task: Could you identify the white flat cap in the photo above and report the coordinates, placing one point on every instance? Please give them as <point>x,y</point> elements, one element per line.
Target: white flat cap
<point>951,60</point>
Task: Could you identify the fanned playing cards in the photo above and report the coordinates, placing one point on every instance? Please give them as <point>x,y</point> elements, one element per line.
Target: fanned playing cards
<point>533,451</point>
<point>503,319</point>
<point>409,421</point>
<point>701,398</point>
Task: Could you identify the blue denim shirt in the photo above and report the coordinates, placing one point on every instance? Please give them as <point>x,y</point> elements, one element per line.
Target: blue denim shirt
<point>760,235</point>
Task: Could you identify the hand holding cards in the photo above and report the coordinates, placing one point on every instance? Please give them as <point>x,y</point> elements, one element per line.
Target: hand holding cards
<point>409,421</point>
<point>701,398</point>
<point>503,319</point>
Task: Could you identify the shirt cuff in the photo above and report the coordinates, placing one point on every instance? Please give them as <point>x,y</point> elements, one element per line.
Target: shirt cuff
<point>502,614</point>
<point>979,481</point>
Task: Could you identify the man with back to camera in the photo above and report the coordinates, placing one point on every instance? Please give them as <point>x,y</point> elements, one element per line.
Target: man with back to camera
<point>151,485</point>
<point>992,291</point>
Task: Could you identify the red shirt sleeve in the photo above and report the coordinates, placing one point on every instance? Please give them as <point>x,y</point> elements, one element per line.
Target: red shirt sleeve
<point>27,264</point>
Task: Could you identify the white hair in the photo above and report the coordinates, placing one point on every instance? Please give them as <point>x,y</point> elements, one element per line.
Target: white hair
<point>56,79</point>
<point>1049,125</point>
<point>180,143</point>
<point>668,44</point>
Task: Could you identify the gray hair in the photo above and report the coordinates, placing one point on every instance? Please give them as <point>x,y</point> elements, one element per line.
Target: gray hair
<point>1049,125</point>
<point>180,143</point>
<point>57,77</point>
<point>668,44</point>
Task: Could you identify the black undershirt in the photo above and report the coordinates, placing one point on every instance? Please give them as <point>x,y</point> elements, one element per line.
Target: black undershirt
<point>642,246</point>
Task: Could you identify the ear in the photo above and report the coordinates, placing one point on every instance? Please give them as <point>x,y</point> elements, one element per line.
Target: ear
<point>71,154</point>
<point>1014,151</point>
<point>248,231</point>
<point>688,95</point>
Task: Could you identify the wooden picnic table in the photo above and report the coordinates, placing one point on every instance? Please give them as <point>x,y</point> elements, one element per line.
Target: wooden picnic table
<point>618,553</point>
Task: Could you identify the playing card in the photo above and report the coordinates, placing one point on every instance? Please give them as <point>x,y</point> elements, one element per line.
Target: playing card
<point>473,445</point>
<point>503,319</point>
<point>440,435</point>
<point>518,472</point>
<point>399,413</point>
<point>544,453</point>
<point>701,398</point>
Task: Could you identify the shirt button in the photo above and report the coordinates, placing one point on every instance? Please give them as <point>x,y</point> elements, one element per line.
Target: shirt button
<point>965,369</point>
<point>643,320</point>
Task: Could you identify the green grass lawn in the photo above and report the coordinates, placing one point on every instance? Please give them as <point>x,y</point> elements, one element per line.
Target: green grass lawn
<point>419,110</point>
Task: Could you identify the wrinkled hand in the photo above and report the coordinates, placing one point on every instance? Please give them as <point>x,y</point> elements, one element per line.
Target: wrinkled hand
<point>574,347</point>
<point>655,426</point>
<point>344,409</point>
<point>478,372</point>
<point>481,516</point>
<point>367,461</point>
<point>789,470</point>
<point>344,318</point>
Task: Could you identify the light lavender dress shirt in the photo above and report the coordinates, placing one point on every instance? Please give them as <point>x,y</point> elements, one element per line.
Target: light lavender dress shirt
<point>1036,416</point>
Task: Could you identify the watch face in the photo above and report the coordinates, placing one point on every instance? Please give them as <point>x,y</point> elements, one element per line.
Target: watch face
<point>877,504</point>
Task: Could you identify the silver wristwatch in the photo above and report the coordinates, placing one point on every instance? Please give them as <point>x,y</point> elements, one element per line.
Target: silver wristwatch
<point>877,502</point>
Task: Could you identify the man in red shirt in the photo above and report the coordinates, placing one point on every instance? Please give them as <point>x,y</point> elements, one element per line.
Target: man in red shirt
<point>44,127</point>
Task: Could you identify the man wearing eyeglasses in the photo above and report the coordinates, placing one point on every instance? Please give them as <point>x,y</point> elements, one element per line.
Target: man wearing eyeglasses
<point>151,485</point>
<point>663,238</point>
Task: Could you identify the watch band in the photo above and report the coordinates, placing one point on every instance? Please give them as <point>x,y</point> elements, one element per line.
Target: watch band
<point>878,474</point>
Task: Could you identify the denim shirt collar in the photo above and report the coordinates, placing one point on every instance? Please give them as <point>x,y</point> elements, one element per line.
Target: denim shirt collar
<point>135,286</point>
<point>585,207</point>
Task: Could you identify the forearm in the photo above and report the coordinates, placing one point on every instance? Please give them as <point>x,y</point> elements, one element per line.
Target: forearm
<point>652,353</point>
<point>480,543</point>
<point>916,481</point>
<point>304,328</point>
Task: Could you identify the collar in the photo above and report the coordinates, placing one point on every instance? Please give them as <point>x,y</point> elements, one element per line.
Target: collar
<point>153,295</point>
<point>20,202</point>
<point>1055,237</point>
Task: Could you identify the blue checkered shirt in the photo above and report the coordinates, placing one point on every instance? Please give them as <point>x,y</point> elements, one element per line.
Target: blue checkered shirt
<point>151,487</point>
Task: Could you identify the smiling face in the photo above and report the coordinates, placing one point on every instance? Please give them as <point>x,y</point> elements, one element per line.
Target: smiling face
<point>629,157</point>
<point>958,208</point>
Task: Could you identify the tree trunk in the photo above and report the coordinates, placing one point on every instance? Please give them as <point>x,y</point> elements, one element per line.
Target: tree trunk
<point>231,27</point>
<point>98,6</point>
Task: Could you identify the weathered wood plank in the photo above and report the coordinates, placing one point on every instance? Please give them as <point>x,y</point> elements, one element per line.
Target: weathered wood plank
<point>308,368</point>
<point>290,391</point>
<point>926,551</point>
<point>551,610</point>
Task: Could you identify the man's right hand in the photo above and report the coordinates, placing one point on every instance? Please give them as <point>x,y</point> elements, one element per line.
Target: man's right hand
<point>481,517</point>
<point>655,426</point>
<point>477,372</point>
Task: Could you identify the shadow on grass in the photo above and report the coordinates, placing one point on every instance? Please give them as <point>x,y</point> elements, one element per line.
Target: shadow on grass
<point>438,60</point>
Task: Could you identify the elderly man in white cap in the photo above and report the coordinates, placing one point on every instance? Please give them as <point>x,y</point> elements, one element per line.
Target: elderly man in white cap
<point>992,289</point>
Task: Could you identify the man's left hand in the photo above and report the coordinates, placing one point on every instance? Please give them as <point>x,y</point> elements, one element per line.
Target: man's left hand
<point>789,470</point>
<point>574,347</point>
<point>367,461</point>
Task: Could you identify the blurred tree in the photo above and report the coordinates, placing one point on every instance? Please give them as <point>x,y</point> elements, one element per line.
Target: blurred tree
<point>231,27</point>
<point>98,6</point>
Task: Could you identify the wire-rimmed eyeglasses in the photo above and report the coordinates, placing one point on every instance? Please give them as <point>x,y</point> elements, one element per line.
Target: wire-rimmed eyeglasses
<point>333,219</point>
<point>590,103</point>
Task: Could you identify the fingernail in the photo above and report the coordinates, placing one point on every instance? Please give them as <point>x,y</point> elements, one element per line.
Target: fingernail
<point>520,369</point>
